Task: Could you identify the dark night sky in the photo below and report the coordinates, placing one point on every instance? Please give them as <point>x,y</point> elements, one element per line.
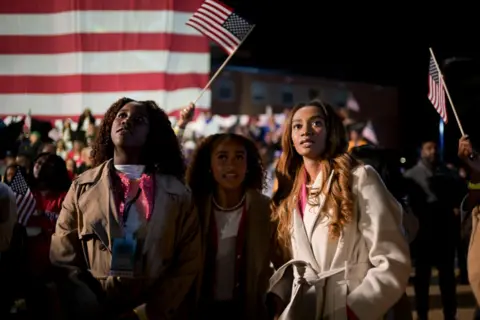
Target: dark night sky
<point>377,45</point>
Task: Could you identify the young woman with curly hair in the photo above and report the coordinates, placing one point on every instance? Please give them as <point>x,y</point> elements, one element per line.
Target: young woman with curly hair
<point>226,177</point>
<point>129,220</point>
<point>342,226</point>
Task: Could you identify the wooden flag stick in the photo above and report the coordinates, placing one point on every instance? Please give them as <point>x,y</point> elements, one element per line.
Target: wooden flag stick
<point>448,94</point>
<point>222,67</point>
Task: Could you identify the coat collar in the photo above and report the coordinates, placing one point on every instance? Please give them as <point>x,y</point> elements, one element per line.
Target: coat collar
<point>100,207</point>
<point>169,183</point>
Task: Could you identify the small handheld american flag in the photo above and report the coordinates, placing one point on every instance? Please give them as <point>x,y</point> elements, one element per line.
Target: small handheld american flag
<point>436,93</point>
<point>25,200</point>
<point>218,22</point>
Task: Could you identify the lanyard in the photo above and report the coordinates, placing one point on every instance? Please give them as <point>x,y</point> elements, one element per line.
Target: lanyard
<point>128,206</point>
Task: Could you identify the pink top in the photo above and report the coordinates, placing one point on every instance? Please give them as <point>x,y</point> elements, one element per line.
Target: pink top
<point>302,199</point>
<point>146,196</point>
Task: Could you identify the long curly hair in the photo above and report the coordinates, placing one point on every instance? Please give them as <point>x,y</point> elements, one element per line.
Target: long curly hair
<point>290,177</point>
<point>161,152</point>
<point>199,176</point>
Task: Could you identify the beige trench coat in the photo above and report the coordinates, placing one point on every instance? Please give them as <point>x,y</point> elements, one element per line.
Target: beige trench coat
<point>367,268</point>
<point>171,252</point>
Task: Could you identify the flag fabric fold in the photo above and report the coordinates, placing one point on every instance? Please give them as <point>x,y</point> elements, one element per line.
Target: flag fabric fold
<point>26,203</point>
<point>436,92</point>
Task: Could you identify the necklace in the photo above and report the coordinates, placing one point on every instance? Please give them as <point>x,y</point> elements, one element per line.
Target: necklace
<point>228,209</point>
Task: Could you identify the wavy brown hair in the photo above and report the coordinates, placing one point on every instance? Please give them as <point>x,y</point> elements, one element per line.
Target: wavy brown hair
<point>161,152</point>
<point>199,175</point>
<point>339,199</point>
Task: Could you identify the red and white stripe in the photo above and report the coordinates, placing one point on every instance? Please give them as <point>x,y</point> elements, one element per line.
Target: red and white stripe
<point>209,19</point>
<point>436,92</point>
<point>58,57</point>
<point>25,206</point>
<point>436,95</point>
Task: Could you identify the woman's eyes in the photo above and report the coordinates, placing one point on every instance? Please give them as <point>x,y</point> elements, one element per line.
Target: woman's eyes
<point>139,119</point>
<point>224,157</point>
<point>317,123</point>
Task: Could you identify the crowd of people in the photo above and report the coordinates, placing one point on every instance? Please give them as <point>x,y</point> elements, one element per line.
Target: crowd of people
<point>292,219</point>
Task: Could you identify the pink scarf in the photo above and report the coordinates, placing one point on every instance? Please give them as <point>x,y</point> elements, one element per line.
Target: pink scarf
<point>302,198</point>
<point>147,184</point>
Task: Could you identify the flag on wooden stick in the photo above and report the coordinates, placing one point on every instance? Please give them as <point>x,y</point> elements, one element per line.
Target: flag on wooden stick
<point>26,203</point>
<point>221,24</point>
<point>436,93</point>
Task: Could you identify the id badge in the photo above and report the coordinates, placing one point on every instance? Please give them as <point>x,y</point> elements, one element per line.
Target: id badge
<point>123,257</point>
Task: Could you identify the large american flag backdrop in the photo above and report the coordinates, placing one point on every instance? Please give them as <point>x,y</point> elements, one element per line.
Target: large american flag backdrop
<point>58,57</point>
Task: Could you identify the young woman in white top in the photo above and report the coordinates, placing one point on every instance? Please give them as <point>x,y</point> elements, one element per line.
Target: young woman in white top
<point>226,177</point>
<point>341,225</point>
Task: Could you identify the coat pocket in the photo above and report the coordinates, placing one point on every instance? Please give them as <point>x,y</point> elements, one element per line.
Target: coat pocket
<point>96,254</point>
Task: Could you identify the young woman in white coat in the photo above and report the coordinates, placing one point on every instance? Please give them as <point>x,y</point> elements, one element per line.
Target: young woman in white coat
<point>341,225</point>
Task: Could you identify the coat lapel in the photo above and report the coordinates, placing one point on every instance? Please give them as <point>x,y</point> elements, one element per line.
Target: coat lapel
<point>98,206</point>
<point>257,236</point>
<point>205,218</point>
<point>162,207</point>
<point>302,243</point>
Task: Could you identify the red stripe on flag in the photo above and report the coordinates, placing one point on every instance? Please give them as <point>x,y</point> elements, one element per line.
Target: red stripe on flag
<point>102,42</point>
<point>100,83</point>
<point>55,6</point>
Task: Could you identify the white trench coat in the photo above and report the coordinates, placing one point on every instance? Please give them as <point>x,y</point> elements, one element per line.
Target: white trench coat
<point>367,268</point>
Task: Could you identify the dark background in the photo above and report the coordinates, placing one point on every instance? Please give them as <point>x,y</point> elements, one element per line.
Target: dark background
<point>379,44</point>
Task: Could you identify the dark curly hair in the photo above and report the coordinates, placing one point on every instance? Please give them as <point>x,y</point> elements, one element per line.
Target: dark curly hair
<point>53,175</point>
<point>161,153</point>
<point>199,176</point>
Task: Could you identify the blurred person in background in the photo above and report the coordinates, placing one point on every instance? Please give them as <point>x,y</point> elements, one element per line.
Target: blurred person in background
<point>87,162</point>
<point>9,173</point>
<point>67,133</point>
<point>435,194</point>
<point>8,220</point>
<point>71,168</point>
<point>86,119</point>
<point>62,149</point>
<point>76,153</point>
<point>90,134</point>
<point>472,204</point>
<point>8,216</point>
<point>50,185</point>
<point>48,148</point>
<point>7,161</point>
<point>31,146</point>
<point>24,161</point>
<point>355,136</point>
